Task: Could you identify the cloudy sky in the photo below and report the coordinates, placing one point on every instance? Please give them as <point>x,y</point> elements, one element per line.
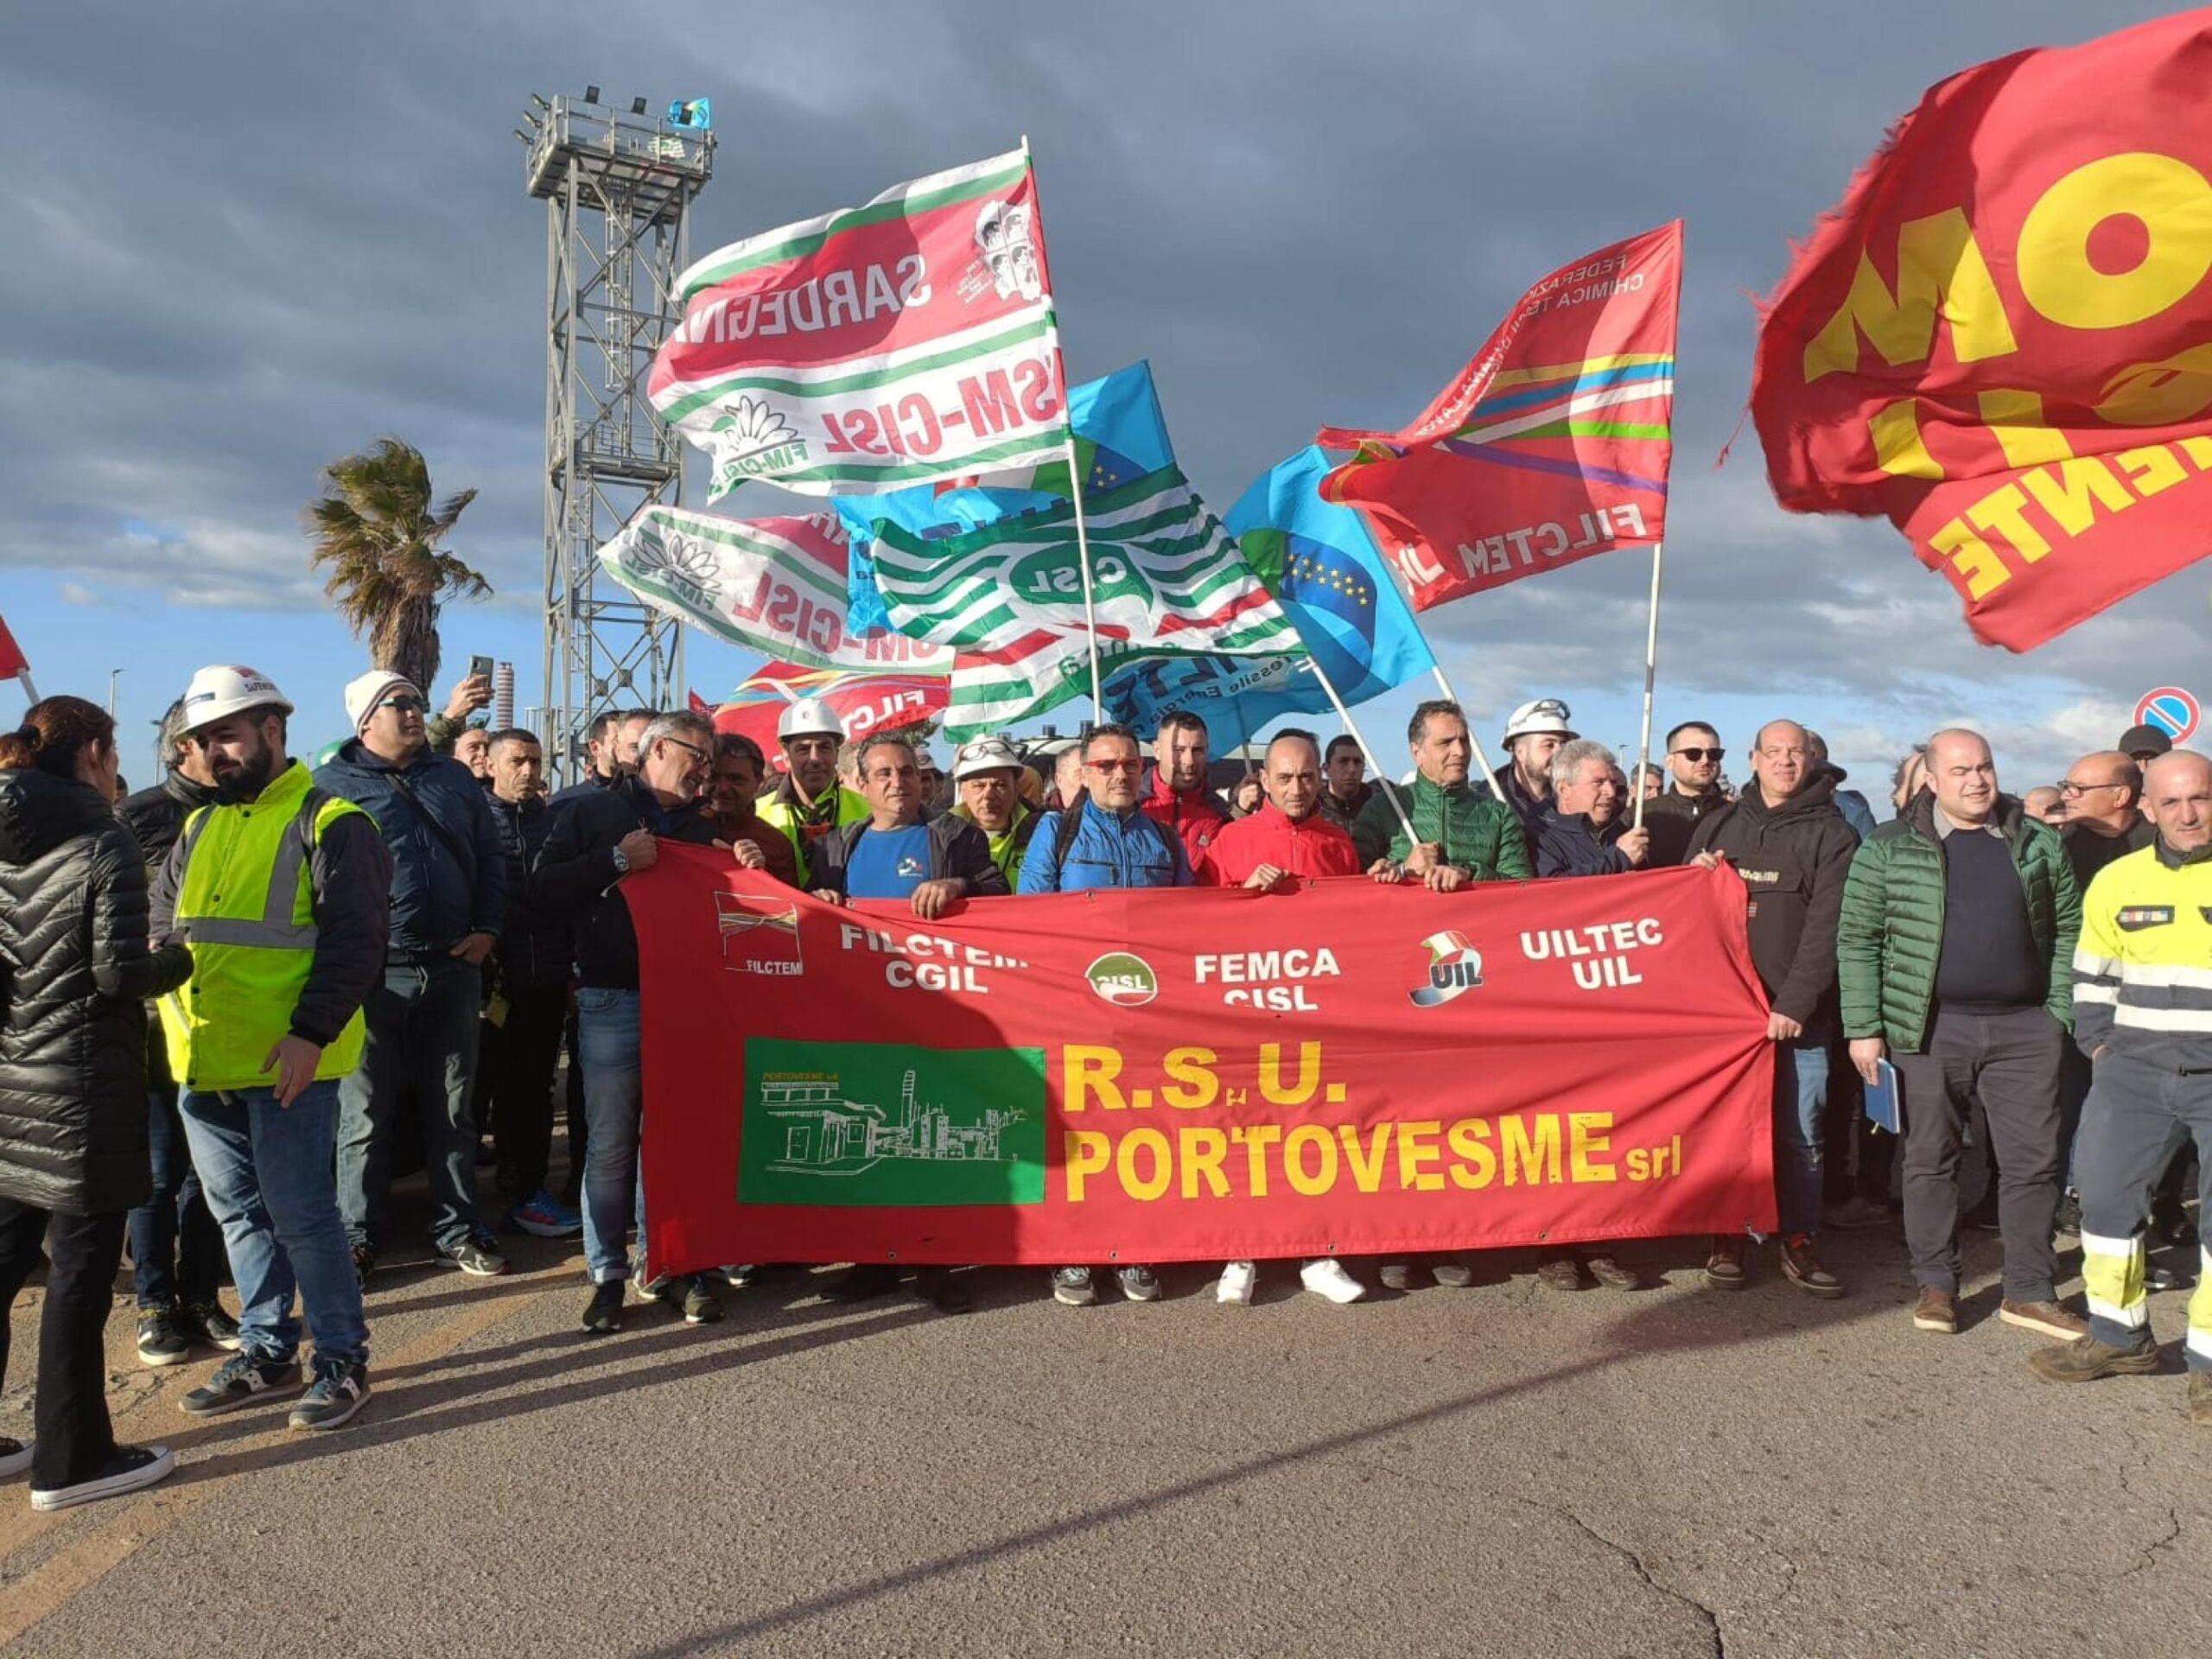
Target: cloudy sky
<point>245,240</point>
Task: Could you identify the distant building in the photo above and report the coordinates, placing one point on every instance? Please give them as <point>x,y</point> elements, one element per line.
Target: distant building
<point>824,1130</point>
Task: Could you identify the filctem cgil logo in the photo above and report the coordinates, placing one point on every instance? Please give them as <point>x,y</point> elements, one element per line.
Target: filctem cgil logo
<point>1454,966</point>
<point>1125,980</point>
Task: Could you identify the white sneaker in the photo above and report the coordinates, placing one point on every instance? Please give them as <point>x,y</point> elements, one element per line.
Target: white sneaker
<point>1236,1290</point>
<point>1328,1278</point>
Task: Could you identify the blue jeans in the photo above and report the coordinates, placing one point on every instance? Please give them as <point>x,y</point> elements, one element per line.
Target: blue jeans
<point>266,1170</point>
<point>1801,1087</point>
<point>176,1249</point>
<point>613,1190</point>
<point>421,1036</point>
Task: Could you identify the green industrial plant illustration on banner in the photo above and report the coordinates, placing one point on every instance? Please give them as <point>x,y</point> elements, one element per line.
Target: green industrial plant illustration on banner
<point>887,1123</point>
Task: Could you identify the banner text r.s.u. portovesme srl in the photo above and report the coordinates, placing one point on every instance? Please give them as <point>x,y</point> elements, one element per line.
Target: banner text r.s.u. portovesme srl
<point>1196,1075</point>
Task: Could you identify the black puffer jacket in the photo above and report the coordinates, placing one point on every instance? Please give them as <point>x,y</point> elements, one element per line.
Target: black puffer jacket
<point>535,948</point>
<point>74,972</point>
<point>156,818</point>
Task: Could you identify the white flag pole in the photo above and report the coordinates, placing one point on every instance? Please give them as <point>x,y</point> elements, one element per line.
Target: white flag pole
<point>1382,777</point>
<point>1651,678</point>
<point>1474,743</point>
<point>1082,534</point>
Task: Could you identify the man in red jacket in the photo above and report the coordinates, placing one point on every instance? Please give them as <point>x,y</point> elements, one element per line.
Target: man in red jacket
<point>1284,842</point>
<point>1179,798</point>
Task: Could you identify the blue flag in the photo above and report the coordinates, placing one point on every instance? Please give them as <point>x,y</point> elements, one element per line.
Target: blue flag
<point>1120,435</point>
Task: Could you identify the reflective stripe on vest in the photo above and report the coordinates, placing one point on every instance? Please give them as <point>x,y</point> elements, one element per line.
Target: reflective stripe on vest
<point>276,931</point>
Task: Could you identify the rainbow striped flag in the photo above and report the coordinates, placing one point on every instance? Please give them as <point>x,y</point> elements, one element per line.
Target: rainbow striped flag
<point>1552,445</point>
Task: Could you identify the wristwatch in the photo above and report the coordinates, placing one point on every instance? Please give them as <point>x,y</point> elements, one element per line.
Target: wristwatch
<point>621,862</point>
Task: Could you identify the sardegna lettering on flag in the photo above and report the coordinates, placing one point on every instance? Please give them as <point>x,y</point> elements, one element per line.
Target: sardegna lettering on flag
<point>1551,446</point>
<point>776,586</point>
<point>904,341</point>
<point>1999,340</point>
<point>1205,1074</point>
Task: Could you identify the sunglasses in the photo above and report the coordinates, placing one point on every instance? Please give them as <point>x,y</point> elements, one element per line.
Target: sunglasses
<point>406,705</point>
<point>1114,765</point>
<point>1698,755</point>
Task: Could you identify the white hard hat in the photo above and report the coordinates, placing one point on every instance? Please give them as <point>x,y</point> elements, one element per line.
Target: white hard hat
<point>1546,716</point>
<point>222,689</point>
<point>996,752</point>
<point>809,717</point>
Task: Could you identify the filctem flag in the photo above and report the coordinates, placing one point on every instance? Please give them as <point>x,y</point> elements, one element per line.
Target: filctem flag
<point>906,341</point>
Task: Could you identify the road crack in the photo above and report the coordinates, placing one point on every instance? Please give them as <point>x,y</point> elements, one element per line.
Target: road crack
<point>1710,1618</point>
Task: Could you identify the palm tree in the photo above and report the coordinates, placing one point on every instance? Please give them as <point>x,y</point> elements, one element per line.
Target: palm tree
<point>376,529</point>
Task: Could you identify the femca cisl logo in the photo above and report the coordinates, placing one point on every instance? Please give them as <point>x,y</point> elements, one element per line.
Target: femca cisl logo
<point>1453,966</point>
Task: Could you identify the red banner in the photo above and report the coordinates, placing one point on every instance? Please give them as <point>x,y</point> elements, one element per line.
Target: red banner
<point>863,704</point>
<point>1551,446</point>
<point>1999,338</point>
<point>1213,1075</point>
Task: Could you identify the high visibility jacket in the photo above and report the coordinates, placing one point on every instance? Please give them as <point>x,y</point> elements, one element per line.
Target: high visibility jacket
<point>804,825</point>
<point>2143,969</point>
<point>245,902</point>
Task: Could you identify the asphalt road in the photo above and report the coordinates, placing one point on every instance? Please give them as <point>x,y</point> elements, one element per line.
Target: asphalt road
<point>1499,1469</point>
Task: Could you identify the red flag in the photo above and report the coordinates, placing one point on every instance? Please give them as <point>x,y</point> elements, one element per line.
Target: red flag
<point>863,704</point>
<point>700,705</point>
<point>12,660</point>
<point>1552,445</point>
<point>1999,338</point>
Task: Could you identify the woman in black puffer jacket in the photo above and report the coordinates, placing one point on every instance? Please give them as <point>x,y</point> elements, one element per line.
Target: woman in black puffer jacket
<point>75,974</point>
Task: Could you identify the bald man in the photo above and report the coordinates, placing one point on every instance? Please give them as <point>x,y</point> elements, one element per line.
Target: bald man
<point>1954,951</point>
<point>2143,983</point>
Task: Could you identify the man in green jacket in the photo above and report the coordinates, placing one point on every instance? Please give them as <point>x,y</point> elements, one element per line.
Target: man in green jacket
<point>1463,836</point>
<point>1954,955</point>
<point>1459,837</point>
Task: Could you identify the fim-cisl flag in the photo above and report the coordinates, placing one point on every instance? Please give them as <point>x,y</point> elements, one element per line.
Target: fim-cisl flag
<point>906,341</point>
<point>1166,579</point>
<point>1552,445</point>
<point>2002,339</point>
<point>776,585</point>
<point>1322,565</point>
<point>1120,435</point>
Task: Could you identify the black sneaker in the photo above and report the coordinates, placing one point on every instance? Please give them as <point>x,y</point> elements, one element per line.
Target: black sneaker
<point>131,1468</point>
<point>603,1313</point>
<point>240,1380</point>
<point>860,1282</point>
<point>339,1391</point>
<point>162,1340</point>
<point>742,1275</point>
<point>207,1322</point>
<point>702,1306</point>
<point>937,1287</point>
<point>477,1256</point>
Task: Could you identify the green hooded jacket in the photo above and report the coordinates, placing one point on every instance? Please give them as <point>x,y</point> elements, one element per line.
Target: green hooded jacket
<point>1478,833</point>
<point>1890,937</point>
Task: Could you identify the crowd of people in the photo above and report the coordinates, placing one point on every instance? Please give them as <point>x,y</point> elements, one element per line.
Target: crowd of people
<point>412,932</point>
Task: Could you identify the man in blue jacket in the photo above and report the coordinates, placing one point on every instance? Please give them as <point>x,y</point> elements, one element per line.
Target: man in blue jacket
<point>449,903</point>
<point>1106,841</point>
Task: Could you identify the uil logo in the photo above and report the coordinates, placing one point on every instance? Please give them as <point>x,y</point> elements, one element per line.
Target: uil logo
<point>1454,966</point>
<point>1003,237</point>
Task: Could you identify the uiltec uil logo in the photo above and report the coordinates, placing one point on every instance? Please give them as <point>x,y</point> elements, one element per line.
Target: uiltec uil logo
<point>1454,966</point>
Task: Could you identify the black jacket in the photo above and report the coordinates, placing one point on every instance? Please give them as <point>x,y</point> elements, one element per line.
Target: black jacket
<point>957,848</point>
<point>535,950</point>
<point>157,816</point>
<point>577,875</point>
<point>1566,844</point>
<point>75,970</point>
<point>1672,817</point>
<point>449,873</point>
<point>1795,859</point>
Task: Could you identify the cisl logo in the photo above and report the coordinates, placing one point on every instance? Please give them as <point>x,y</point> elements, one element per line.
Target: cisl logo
<point>1126,980</point>
<point>1454,966</point>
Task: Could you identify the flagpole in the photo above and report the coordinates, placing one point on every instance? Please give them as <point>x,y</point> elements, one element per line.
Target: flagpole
<point>23,678</point>
<point>1475,743</point>
<point>1083,557</point>
<point>1651,678</point>
<point>1359,737</point>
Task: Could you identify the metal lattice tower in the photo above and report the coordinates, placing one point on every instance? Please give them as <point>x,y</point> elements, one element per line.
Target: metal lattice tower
<point>618,190</point>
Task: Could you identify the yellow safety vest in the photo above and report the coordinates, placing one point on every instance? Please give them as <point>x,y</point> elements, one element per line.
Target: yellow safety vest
<point>785,815</point>
<point>246,903</point>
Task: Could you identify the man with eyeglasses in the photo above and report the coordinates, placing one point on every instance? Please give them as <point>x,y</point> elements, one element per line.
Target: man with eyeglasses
<point>1106,842</point>
<point>596,842</point>
<point>1692,790</point>
<point>449,905</point>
